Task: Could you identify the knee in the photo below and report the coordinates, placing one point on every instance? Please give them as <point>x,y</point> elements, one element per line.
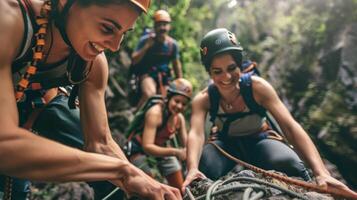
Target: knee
<point>148,92</point>
<point>290,165</point>
<point>211,168</point>
<point>148,88</point>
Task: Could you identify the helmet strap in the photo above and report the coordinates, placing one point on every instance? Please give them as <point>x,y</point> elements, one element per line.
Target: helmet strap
<point>60,19</point>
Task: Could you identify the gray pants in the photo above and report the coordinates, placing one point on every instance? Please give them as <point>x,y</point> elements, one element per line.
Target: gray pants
<point>166,165</point>
<point>260,151</point>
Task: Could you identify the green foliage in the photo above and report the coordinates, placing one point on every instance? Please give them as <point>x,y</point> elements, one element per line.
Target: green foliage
<point>186,32</point>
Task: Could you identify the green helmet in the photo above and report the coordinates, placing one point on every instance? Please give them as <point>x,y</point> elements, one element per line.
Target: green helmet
<point>218,41</point>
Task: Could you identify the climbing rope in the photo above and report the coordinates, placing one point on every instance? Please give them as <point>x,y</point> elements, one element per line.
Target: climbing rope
<point>249,194</point>
<point>330,190</point>
<point>234,187</point>
<point>256,180</point>
<point>211,189</point>
<point>111,193</point>
<point>220,187</point>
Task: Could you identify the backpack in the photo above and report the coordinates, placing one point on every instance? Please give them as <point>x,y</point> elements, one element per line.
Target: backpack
<point>245,84</point>
<point>137,124</point>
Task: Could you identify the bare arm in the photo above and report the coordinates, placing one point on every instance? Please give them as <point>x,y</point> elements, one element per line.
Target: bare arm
<point>266,96</point>
<point>94,119</point>
<point>296,135</point>
<point>24,154</point>
<point>196,135</point>
<point>98,137</point>
<point>183,130</point>
<point>153,120</point>
<point>138,55</point>
<point>177,68</point>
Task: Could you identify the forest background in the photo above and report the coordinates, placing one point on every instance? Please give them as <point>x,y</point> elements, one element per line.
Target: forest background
<point>305,48</point>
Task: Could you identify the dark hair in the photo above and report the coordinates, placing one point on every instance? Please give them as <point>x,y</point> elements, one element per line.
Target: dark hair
<point>236,57</point>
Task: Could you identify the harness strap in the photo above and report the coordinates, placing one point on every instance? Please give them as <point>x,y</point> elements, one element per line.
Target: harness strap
<point>27,28</point>
<point>345,193</point>
<point>47,97</point>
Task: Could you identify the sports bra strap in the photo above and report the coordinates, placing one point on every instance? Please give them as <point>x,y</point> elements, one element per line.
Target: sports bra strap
<point>28,15</point>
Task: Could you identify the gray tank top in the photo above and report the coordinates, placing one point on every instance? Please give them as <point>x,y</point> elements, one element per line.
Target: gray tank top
<point>247,125</point>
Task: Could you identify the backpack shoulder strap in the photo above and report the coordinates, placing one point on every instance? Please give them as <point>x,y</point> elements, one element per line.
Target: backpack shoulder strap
<point>214,97</point>
<point>137,123</point>
<point>245,84</point>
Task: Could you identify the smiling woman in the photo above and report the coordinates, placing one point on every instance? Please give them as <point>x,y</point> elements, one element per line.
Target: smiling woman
<point>59,43</point>
<point>240,129</point>
<point>155,131</point>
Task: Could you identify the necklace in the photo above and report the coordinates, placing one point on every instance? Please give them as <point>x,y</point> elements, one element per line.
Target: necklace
<point>229,106</point>
<point>42,21</point>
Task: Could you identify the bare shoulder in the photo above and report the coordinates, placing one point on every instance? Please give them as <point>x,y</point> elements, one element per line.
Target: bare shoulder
<point>181,117</point>
<point>262,89</point>
<point>12,30</point>
<point>201,100</point>
<point>154,114</point>
<point>99,71</point>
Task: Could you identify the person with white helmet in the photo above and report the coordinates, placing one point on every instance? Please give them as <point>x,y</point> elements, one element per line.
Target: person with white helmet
<point>53,43</point>
<point>152,56</point>
<point>161,123</point>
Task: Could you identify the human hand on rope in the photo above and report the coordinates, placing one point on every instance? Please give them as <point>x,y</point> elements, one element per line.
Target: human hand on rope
<point>191,175</point>
<point>137,183</point>
<point>329,183</point>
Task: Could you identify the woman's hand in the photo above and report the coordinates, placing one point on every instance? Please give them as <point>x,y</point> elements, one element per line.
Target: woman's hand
<point>332,184</point>
<point>110,148</point>
<point>192,175</point>
<point>137,183</point>
<point>326,181</point>
<point>181,154</point>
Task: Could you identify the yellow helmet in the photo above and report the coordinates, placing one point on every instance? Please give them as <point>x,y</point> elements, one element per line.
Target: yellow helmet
<point>162,16</point>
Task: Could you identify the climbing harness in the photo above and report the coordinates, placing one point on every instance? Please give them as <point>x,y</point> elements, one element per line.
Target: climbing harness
<point>42,21</point>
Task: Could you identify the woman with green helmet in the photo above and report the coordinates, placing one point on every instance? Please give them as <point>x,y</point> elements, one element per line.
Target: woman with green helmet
<point>161,123</point>
<point>53,43</point>
<point>248,136</point>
